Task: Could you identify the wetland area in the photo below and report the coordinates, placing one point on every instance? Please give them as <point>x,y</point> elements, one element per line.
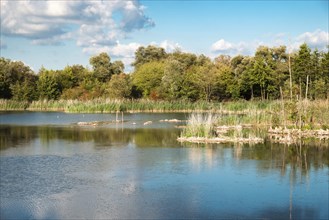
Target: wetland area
<point>52,167</point>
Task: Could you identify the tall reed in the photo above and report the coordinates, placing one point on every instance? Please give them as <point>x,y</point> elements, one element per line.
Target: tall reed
<point>201,125</point>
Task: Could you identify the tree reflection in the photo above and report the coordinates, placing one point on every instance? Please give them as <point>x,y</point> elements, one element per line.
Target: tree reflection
<point>296,158</point>
<point>13,136</point>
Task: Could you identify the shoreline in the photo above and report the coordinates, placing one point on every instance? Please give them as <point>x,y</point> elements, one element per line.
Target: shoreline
<point>253,140</point>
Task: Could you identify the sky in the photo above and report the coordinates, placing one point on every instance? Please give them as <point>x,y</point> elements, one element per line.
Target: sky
<point>57,33</point>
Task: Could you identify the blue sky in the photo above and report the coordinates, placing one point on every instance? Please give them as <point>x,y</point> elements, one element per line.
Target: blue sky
<point>59,33</point>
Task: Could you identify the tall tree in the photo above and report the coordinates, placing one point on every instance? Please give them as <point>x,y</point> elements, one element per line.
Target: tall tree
<point>118,67</point>
<point>25,90</point>
<point>147,78</point>
<point>302,66</point>
<point>262,77</point>
<point>147,54</point>
<point>6,78</point>
<point>12,75</point>
<point>119,86</point>
<point>48,85</point>
<point>173,79</point>
<point>102,66</point>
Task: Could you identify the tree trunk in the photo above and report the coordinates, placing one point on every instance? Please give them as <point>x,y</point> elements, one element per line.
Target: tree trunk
<point>290,78</point>
<point>282,107</point>
<point>307,78</point>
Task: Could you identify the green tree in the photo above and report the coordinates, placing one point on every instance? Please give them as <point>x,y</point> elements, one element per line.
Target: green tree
<point>302,66</point>
<point>119,86</point>
<point>12,73</point>
<point>172,79</point>
<point>320,89</point>
<point>274,61</point>
<point>26,90</point>
<point>190,89</point>
<point>324,65</point>
<point>261,77</point>
<point>48,85</point>
<point>186,59</point>
<point>148,54</point>
<point>5,78</point>
<point>71,76</point>
<point>205,78</point>
<point>118,67</point>
<point>147,78</point>
<point>102,66</point>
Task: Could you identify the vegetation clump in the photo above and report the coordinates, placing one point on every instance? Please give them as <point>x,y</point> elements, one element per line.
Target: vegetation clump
<point>202,128</point>
<point>284,122</point>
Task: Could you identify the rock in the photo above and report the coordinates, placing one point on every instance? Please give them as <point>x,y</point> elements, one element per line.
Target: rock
<point>147,123</point>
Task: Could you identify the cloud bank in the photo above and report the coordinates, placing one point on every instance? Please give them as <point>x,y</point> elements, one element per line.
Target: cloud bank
<point>318,39</point>
<point>92,24</point>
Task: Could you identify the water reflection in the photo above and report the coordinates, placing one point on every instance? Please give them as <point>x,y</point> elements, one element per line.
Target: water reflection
<point>15,136</point>
<point>297,157</point>
<point>86,172</point>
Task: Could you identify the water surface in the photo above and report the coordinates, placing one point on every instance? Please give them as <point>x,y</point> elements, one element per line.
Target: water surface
<point>53,168</point>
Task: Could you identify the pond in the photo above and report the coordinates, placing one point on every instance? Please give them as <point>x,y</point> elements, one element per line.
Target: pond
<point>54,168</point>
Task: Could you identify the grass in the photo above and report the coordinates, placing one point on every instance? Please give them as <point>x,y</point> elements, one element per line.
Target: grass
<point>110,105</point>
<point>301,119</point>
<point>200,125</point>
<point>302,114</point>
<point>203,128</point>
<point>10,105</point>
<point>140,105</point>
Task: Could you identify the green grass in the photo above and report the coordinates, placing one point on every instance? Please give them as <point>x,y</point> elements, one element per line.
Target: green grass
<point>299,115</point>
<point>11,105</point>
<point>303,114</point>
<point>109,105</point>
<point>200,125</point>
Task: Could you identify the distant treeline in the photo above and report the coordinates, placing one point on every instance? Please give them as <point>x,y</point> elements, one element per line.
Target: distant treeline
<point>271,73</point>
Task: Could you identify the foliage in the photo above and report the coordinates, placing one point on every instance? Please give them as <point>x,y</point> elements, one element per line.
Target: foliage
<point>147,78</point>
<point>48,84</point>
<point>172,79</point>
<point>26,90</point>
<point>103,68</point>
<point>177,76</point>
<point>119,86</point>
<point>16,80</point>
<point>148,54</point>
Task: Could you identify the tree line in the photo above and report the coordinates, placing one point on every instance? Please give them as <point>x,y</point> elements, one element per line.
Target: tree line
<point>271,73</point>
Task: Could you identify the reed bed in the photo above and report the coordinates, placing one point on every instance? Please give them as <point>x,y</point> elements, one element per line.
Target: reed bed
<point>110,105</point>
<point>200,125</point>
<point>303,114</point>
<point>11,105</point>
<point>204,128</point>
<point>132,105</point>
<point>299,119</point>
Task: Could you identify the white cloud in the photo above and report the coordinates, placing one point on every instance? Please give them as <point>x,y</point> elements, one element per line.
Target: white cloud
<point>317,39</point>
<point>222,46</point>
<point>124,50</point>
<point>92,24</point>
<point>169,46</point>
